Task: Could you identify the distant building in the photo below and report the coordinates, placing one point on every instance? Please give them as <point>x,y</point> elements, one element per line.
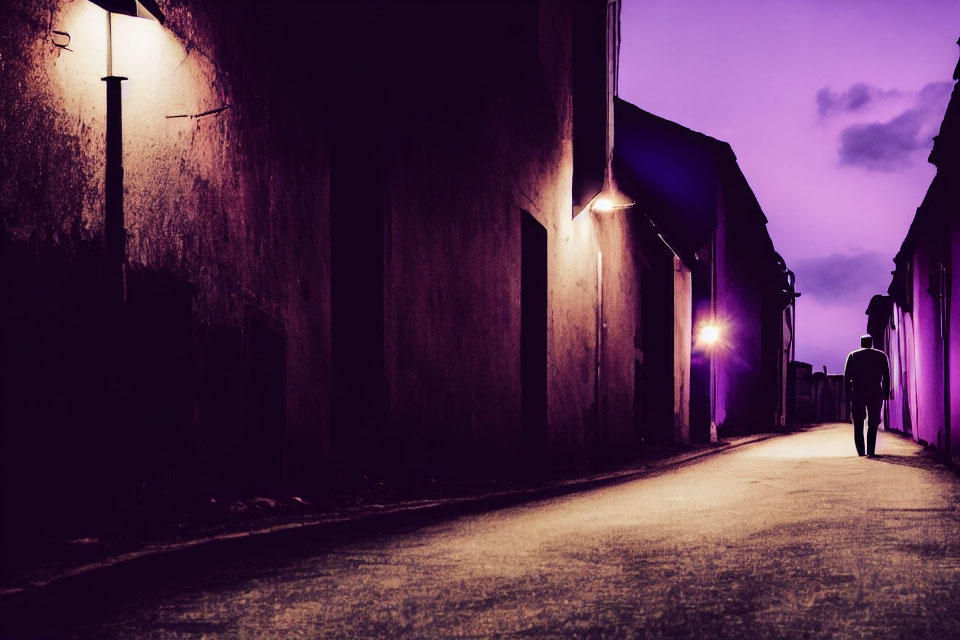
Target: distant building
<point>815,396</point>
<point>919,323</point>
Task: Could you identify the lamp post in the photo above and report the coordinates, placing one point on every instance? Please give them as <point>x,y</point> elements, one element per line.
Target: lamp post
<point>712,339</point>
<point>114,231</point>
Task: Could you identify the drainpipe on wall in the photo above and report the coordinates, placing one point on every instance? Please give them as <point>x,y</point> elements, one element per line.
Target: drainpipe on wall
<point>714,437</point>
<point>946,374</point>
<point>114,232</point>
<point>791,349</point>
<point>793,326</point>
<point>939,289</point>
<point>599,341</point>
<point>944,283</point>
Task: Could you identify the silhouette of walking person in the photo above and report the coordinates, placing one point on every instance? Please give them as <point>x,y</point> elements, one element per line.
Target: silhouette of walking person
<point>867,377</point>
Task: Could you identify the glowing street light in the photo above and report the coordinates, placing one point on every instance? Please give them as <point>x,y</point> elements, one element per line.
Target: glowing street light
<point>113,182</point>
<point>610,199</point>
<point>713,341</point>
<point>709,334</point>
<point>712,335</point>
<point>602,205</point>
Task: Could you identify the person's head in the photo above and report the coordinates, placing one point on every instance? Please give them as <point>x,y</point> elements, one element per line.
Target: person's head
<point>866,341</point>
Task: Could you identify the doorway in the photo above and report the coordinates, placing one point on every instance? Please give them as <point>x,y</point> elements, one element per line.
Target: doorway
<point>358,211</point>
<point>533,328</point>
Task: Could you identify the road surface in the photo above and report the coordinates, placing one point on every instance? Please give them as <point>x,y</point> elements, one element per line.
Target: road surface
<point>794,537</point>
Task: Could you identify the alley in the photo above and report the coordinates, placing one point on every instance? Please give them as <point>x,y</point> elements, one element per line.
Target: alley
<point>790,537</point>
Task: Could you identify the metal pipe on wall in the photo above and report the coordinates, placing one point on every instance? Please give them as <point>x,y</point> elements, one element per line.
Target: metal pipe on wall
<point>599,341</point>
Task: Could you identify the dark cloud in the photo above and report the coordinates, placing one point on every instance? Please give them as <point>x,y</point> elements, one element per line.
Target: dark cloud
<point>844,278</point>
<point>883,146</point>
<point>890,145</point>
<point>857,98</point>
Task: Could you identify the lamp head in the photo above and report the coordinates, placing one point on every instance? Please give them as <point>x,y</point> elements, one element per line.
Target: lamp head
<point>137,8</point>
<point>610,200</point>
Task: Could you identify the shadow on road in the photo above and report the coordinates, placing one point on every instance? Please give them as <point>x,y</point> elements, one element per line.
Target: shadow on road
<point>917,462</point>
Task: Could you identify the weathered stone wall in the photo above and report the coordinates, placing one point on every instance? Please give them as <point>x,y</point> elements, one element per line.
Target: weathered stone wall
<point>461,181</point>
<point>260,142</point>
<point>227,243</point>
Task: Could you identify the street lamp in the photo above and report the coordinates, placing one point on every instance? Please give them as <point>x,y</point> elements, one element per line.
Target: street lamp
<point>610,197</point>
<point>113,184</point>
<point>713,339</point>
<point>711,336</point>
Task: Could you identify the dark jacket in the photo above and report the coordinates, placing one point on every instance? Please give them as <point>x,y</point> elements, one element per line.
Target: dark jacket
<point>867,374</point>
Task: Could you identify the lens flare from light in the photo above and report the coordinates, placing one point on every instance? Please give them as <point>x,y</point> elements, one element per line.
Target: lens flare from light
<point>709,334</point>
<point>712,335</point>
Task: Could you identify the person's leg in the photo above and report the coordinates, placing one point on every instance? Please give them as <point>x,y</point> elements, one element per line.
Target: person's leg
<point>859,413</point>
<point>875,409</point>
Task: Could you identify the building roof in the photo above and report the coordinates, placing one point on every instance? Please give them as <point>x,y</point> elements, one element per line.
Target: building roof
<point>671,172</point>
<point>880,305</point>
<point>676,176</point>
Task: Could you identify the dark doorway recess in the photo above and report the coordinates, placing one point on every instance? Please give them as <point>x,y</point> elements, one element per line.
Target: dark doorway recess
<point>653,376</point>
<point>533,328</point>
<point>358,204</point>
<point>266,367</point>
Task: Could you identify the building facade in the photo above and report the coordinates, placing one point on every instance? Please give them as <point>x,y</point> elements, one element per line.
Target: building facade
<point>731,293</point>
<point>356,240</point>
<point>918,322</point>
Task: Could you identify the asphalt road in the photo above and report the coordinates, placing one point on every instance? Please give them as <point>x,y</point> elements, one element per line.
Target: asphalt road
<point>794,537</point>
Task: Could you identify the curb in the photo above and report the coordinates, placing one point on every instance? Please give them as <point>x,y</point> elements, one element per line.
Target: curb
<point>409,510</point>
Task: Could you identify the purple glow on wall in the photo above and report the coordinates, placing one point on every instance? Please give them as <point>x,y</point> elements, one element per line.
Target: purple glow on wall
<point>830,108</point>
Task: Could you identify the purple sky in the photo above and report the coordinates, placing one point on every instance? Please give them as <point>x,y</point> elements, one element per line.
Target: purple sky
<point>830,106</point>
